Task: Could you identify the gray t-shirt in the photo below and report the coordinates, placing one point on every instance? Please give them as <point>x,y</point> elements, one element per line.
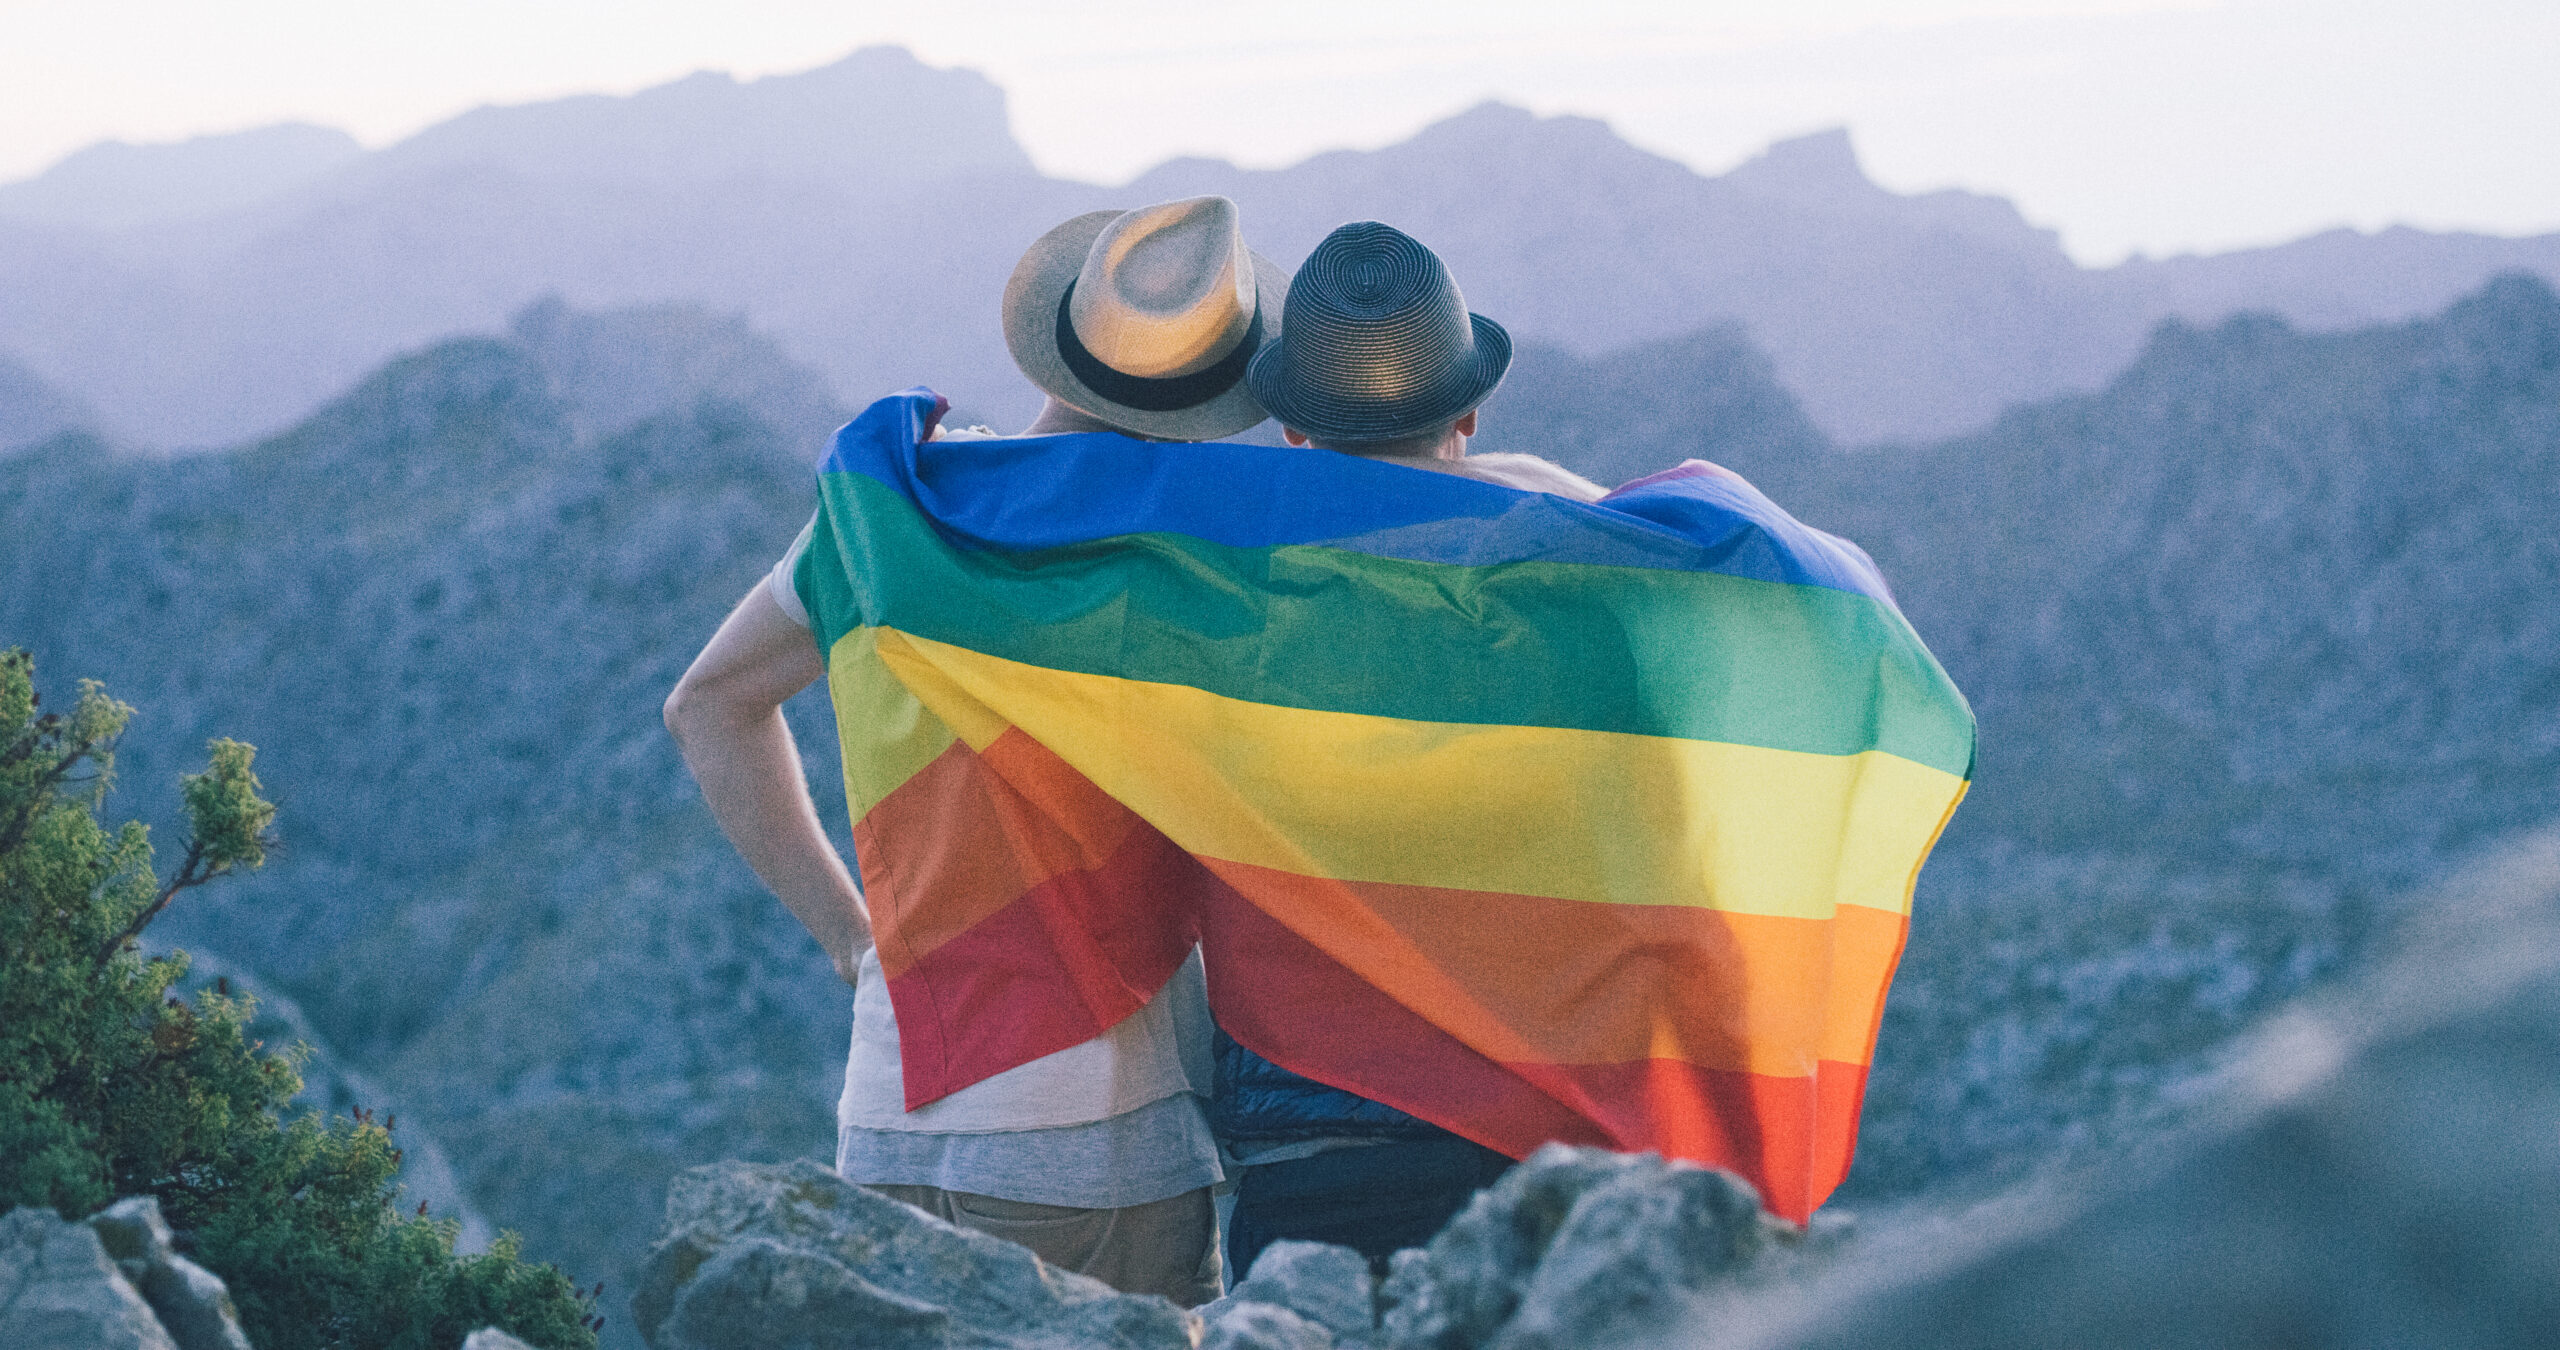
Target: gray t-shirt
<point>1161,1149</point>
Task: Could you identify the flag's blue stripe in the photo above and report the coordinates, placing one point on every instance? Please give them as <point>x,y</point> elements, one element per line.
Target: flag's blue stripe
<point>1027,493</point>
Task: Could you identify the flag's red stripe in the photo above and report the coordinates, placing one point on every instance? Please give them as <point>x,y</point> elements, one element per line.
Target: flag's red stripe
<point>1291,1003</point>
<point>1064,961</point>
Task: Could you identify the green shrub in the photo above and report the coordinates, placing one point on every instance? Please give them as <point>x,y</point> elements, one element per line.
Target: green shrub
<point>109,1086</point>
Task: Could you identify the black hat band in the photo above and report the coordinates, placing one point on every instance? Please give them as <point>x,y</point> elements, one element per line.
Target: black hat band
<point>1170,394</point>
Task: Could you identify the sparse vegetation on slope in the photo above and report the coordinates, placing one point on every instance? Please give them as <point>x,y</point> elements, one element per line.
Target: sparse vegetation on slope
<point>109,1086</point>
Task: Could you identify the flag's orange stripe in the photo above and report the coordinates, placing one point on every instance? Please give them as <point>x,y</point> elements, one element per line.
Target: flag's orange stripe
<point>1533,979</point>
<point>971,833</point>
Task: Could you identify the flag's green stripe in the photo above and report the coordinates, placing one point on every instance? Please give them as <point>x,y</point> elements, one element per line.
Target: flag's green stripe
<point>1638,650</point>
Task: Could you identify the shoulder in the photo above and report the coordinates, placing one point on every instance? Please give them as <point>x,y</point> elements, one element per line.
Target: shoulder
<point>1530,474</point>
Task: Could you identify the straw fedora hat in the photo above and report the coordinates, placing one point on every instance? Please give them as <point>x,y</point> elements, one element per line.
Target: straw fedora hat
<point>1147,318</point>
<point>1380,345</point>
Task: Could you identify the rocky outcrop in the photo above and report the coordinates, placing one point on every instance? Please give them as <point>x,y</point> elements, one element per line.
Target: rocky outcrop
<point>112,1283</point>
<point>1579,1247</point>
<point>115,1282</point>
<point>1298,1294</point>
<point>58,1287</point>
<point>1574,1247</point>
<point>190,1301</point>
<point>759,1256</point>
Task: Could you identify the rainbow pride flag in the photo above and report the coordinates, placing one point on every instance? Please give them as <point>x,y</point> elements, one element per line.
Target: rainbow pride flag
<point>1540,820</point>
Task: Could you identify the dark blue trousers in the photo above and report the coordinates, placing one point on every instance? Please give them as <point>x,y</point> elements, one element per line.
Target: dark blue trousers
<point>1374,1200</point>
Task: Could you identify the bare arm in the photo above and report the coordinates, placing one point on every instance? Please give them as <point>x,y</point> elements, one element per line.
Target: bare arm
<point>726,714</point>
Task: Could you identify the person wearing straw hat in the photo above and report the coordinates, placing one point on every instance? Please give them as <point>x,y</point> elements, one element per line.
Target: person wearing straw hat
<point>1144,321</point>
<point>1378,357</point>
<point>1098,1157</point>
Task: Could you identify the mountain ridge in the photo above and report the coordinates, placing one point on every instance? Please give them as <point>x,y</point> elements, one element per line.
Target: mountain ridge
<point>866,213</point>
<point>115,185</point>
<point>708,126</point>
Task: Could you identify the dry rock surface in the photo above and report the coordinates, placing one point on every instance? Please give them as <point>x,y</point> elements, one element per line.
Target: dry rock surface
<point>1581,1247</point>
<point>791,1257</point>
<point>58,1287</point>
<point>113,1281</point>
<point>1574,1247</point>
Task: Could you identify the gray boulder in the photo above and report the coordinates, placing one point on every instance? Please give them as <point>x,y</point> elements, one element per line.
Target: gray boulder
<point>1578,1247</point>
<point>756,1291</point>
<point>1325,1285</point>
<point>192,1304</point>
<point>59,1290</point>
<point>490,1338</point>
<point>1242,1324</point>
<point>792,1257</point>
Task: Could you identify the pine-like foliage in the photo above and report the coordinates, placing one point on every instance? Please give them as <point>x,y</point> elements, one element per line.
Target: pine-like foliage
<point>110,1087</point>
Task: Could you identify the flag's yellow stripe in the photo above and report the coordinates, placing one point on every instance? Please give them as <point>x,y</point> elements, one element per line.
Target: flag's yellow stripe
<point>886,734</point>
<point>1606,817</point>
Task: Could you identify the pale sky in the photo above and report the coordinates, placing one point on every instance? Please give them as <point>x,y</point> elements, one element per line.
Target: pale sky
<point>2153,125</point>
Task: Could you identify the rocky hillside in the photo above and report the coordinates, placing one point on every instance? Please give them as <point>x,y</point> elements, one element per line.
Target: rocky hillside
<point>447,618</point>
<point>2226,709</point>
<point>2228,702</point>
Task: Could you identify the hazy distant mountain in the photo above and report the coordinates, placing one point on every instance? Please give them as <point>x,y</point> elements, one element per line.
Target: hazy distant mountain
<point>834,207</point>
<point>873,119</point>
<point>867,213</point>
<point>1886,315</point>
<point>2337,278</point>
<point>112,185</point>
<point>2199,594</point>
<point>32,410</point>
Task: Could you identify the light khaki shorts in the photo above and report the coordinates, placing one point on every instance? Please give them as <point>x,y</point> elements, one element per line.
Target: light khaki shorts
<point>1167,1247</point>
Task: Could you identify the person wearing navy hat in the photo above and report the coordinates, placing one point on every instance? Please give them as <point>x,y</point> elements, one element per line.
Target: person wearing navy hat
<point>1376,356</point>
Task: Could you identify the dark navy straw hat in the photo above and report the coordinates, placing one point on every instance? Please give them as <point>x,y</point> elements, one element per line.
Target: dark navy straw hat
<point>1376,343</point>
